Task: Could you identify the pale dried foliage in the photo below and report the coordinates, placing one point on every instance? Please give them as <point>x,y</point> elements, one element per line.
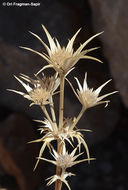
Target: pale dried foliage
<point>41,91</point>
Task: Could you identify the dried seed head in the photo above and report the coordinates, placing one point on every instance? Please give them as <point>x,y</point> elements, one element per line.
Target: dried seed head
<point>65,160</point>
<point>50,83</point>
<point>63,59</point>
<point>39,96</point>
<point>42,88</point>
<point>59,56</point>
<point>65,134</point>
<point>89,97</point>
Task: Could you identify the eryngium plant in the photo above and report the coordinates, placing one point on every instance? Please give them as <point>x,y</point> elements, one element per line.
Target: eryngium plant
<point>41,91</point>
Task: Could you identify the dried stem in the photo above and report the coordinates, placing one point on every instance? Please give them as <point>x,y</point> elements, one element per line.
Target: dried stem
<point>61,103</point>
<point>58,183</point>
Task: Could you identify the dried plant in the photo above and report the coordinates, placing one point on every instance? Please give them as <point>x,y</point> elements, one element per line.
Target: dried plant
<point>41,91</point>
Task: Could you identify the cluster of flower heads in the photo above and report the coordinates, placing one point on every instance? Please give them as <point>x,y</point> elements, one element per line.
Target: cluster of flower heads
<point>41,90</point>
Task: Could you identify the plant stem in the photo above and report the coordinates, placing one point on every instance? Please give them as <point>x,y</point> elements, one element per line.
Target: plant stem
<point>61,103</point>
<point>58,183</point>
<point>77,119</point>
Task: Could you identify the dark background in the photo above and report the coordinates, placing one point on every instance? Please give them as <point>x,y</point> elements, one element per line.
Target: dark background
<point>108,142</point>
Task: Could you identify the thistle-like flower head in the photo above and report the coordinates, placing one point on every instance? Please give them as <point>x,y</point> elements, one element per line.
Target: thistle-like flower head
<point>65,134</point>
<point>63,59</point>
<point>39,90</point>
<point>65,160</point>
<point>50,83</point>
<point>89,97</point>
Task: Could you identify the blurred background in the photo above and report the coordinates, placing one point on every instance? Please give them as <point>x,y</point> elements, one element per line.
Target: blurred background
<point>108,141</point>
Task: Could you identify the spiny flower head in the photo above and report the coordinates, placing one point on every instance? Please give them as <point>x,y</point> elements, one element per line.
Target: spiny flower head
<point>65,160</point>
<point>89,97</point>
<point>51,83</point>
<point>62,178</point>
<point>63,59</point>
<point>65,134</point>
<point>41,90</point>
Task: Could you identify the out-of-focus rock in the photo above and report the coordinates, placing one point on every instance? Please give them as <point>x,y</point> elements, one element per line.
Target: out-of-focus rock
<point>12,62</point>
<point>17,158</point>
<point>10,166</point>
<point>111,16</point>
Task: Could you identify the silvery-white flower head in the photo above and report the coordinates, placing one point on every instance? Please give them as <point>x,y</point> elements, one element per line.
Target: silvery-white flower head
<point>63,59</point>
<point>89,97</point>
